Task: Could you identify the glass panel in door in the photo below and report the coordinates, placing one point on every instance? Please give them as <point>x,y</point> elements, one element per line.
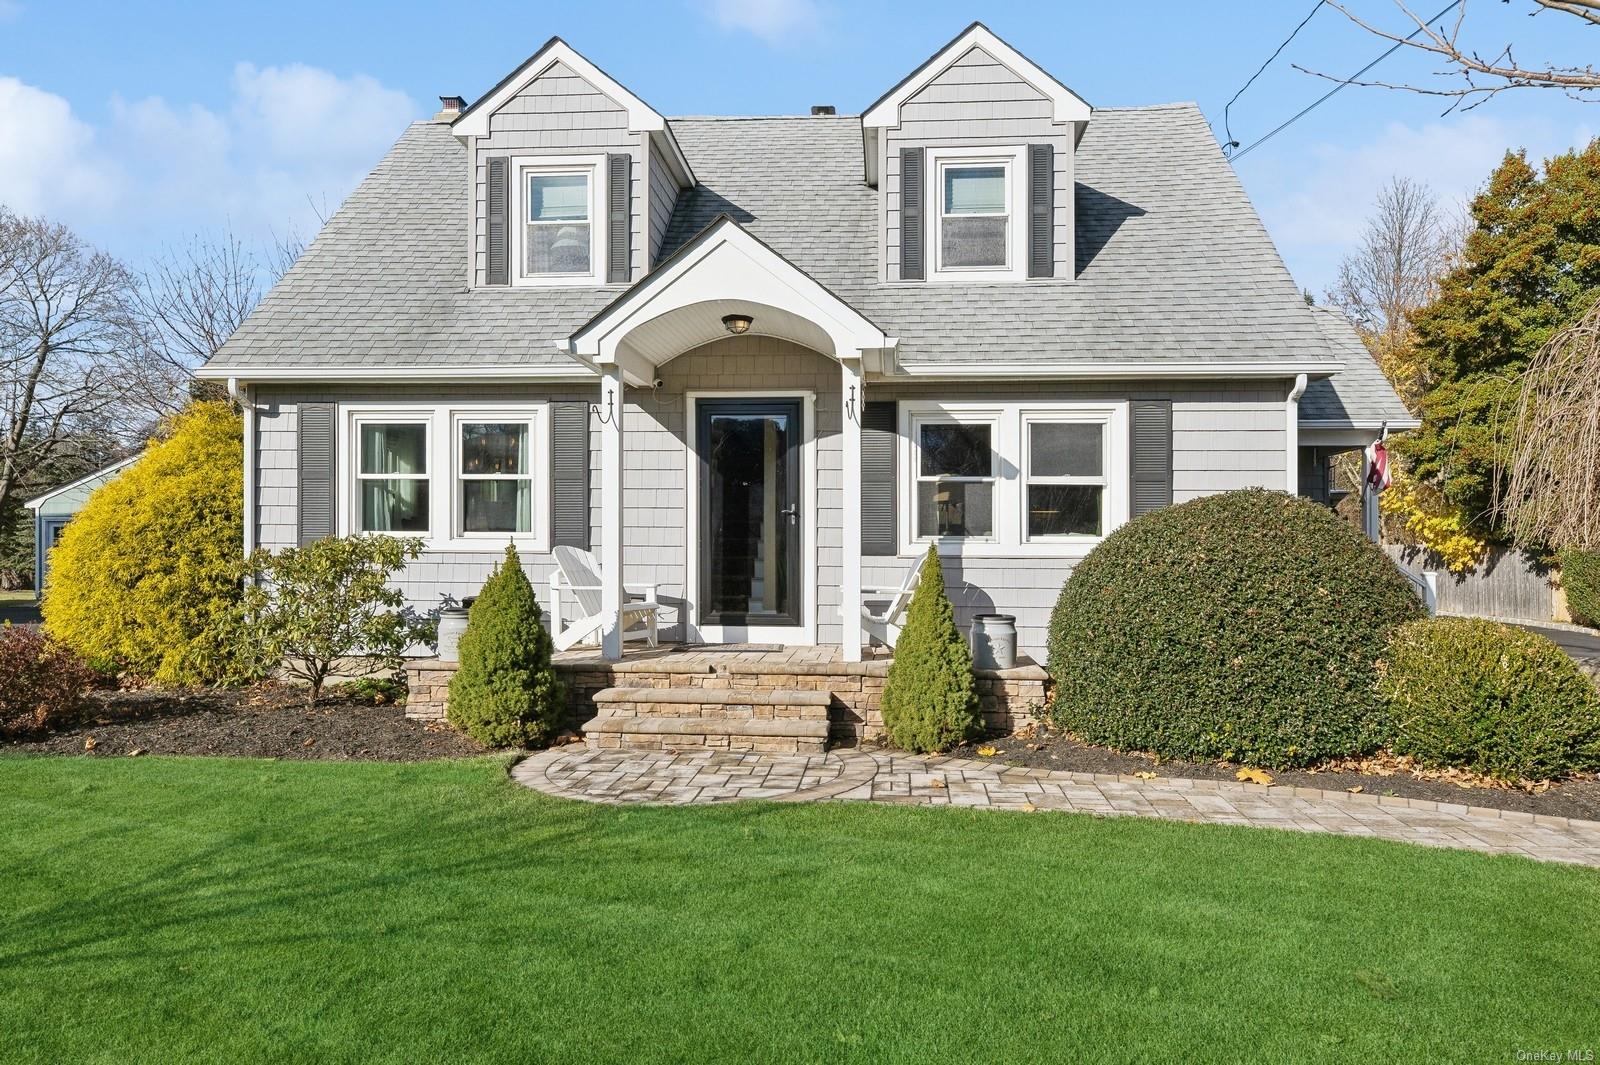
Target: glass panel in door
<point>750,512</point>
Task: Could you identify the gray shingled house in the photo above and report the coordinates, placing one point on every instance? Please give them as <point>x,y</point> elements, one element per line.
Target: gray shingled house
<point>762,363</point>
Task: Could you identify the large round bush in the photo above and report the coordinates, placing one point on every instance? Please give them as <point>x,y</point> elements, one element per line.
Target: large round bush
<point>1492,698</point>
<point>148,575</point>
<point>1244,626</point>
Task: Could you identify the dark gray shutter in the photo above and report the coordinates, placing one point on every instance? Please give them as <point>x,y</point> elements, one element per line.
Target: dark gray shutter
<point>878,502</point>
<point>619,232</point>
<point>1151,424</point>
<point>569,474</point>
<point>1041,210</point>
<point>913,223</point>
<point>315,432</point>
<point>497,245</point>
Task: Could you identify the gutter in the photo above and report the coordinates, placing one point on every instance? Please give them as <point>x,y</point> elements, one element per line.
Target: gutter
<point>1199,370</point>
<point>1291,413</point>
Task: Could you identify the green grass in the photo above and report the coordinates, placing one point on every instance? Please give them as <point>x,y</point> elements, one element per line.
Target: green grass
<point>164,910</point>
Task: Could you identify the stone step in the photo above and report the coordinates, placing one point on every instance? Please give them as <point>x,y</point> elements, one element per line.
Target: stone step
<point>717,703</point>
<point>763,736</point>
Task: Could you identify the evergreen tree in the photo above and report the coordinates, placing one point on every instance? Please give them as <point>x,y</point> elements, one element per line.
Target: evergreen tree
<point>1531,265</point>
<point>930,702</point>
<point>505,692</point>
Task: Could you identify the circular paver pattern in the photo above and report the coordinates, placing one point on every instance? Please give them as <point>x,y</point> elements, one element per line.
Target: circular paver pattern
<point>683,777</point>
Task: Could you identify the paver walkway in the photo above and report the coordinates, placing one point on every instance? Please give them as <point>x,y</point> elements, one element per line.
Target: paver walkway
<point>717,776</point>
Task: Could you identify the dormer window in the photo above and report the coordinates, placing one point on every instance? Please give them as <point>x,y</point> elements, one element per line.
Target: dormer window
<point>974,217</point>
<point>560,237</point>
<point>559,220</point>
<point>974,199</point>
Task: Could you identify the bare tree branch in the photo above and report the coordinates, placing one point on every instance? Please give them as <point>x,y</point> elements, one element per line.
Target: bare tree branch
<point>1480,78</point>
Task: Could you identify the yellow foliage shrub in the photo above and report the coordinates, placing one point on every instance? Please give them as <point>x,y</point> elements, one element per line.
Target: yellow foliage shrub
<point>1432,521</point>
<point>148,574</point>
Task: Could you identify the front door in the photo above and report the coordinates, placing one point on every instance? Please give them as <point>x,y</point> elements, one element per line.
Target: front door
<point>750,530</point>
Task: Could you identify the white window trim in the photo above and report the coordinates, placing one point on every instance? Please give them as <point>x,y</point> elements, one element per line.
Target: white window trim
<point>595,166</point>
<point>1087,416</point>
<point>444,494</point>
<point>1012,157</point>
<point>1010,419</point>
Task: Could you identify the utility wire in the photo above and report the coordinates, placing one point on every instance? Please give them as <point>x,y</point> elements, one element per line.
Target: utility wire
<point>1226,128</point>
<point>1325,97</point>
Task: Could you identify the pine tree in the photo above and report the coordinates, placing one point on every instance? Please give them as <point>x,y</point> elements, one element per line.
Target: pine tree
<point>505,692</point>
<point>929,700</point>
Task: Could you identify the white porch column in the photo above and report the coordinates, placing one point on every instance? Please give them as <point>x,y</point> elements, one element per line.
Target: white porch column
<point>853,395</point>
<point>611,594</point>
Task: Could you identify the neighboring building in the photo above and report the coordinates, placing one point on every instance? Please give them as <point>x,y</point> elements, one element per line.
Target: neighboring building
<point>762,362</point>
<point>55,508</point>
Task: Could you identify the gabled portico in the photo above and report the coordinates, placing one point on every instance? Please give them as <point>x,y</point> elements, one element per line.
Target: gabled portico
<point>726,281</point>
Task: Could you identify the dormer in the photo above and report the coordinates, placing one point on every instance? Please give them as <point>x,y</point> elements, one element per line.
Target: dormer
<point>573,176</point>
<point>972,155</point>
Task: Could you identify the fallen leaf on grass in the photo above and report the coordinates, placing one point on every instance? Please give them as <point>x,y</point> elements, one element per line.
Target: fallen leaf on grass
<point>1027,807</point>
<point>136,752</point>
<point>1254,776</point>
<point>90,743</point>
<point>987,752</point>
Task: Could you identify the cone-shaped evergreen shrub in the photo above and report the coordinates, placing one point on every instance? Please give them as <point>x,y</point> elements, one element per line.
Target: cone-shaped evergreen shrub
<point>929,700</point>
<point>505,694</point>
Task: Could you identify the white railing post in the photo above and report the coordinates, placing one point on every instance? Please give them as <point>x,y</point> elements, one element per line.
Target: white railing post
<point>852,395</point>
<point>612,596</point>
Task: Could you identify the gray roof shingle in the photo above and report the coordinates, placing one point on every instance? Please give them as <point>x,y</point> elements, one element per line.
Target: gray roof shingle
<point>1173,262</point>
<point>1359,394</point>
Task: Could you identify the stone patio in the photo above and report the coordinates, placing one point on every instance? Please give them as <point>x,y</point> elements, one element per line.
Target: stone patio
<point>575,772</point>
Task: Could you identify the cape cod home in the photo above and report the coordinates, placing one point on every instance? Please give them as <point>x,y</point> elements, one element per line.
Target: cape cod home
<point>757,364</point>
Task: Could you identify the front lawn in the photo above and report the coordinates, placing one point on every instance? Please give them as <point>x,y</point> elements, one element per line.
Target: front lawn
<point>170,910</point>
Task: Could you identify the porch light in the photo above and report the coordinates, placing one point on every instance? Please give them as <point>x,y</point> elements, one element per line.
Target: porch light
<point>737,324</point>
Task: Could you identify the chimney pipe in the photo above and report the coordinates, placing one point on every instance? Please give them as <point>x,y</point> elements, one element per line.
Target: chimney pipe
<point>450,108</point>
<point>823,109</point>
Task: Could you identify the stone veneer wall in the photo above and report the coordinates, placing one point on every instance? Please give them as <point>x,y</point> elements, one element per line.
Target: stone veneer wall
<point>1007,699</point>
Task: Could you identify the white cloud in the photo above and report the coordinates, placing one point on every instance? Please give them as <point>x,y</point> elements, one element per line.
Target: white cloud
<point>771,20</point>
<point>289,141</point>
<point>1316,205</point>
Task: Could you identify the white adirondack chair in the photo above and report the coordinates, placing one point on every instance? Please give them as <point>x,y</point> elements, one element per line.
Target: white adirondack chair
<point>885,627</point>
<point>579,573</point>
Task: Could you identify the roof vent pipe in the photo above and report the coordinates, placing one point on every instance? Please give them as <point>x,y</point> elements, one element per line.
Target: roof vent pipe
<point>823,109</point>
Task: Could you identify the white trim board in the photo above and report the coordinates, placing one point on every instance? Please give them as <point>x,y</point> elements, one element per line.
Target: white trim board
<point>804,634</point>
<point>1105,371</point>
<point>398,375</point>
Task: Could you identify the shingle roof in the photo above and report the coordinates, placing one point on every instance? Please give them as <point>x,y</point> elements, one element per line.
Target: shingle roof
<point>1173,262</point>
<point>1359,395</point>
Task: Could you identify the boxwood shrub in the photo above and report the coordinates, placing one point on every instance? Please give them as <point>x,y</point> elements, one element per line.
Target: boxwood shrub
<point>1580,577</point>
<point>1489,697</point>
<point>1244,626</point>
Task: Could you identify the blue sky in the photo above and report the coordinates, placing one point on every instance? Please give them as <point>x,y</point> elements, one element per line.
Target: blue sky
<point>140,123</point>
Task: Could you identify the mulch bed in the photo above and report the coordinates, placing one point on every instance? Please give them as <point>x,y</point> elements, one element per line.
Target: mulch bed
<point>267,721</point>
<point>1044,748</point>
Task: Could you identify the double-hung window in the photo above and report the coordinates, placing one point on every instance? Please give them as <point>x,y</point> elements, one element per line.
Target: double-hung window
<point>495,476</point>
<point>559,237</point>
<point>464,477</point>
<point>955,478</point>
<point>392,476</point>
<point>1012,478</point>
<point>1065,476</point>
<point>974,216</point>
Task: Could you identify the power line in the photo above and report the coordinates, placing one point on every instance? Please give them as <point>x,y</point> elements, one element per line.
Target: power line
<point>1324,98</point>
<point>1226,128</point>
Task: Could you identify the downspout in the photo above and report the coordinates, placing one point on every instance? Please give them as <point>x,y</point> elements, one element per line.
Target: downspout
<point>240,394</point>
<point>1292,431</point>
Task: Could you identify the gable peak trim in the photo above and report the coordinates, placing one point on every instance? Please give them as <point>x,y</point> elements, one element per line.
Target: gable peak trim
<point>1067,106</point>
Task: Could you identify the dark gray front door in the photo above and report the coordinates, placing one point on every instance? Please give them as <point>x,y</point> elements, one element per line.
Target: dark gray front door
<point>749,511</point>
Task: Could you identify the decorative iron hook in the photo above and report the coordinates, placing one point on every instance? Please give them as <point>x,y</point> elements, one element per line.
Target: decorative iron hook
<point>850,404</point>
<point>604,419</point>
